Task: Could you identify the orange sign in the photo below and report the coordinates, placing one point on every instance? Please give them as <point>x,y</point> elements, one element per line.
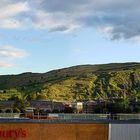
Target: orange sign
<point>17,133</point>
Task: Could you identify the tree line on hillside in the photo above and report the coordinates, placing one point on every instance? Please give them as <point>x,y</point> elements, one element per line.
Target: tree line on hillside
<point>120,89</point>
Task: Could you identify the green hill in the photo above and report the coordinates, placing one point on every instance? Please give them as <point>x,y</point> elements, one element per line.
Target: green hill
<point>81,82</point>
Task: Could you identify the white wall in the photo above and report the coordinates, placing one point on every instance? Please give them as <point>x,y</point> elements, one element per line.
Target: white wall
<point>124,131</point>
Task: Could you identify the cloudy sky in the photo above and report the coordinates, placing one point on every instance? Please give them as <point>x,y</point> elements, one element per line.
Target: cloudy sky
<point>42,35</point>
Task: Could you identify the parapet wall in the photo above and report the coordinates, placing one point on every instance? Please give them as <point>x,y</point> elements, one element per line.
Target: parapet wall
<point>44,131</point>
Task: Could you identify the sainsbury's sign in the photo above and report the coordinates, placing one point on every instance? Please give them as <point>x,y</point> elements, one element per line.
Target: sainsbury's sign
<point>13,133</point>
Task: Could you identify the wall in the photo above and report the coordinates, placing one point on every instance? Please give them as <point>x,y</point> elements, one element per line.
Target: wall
<point>124,131</point>
<point>40,131</point>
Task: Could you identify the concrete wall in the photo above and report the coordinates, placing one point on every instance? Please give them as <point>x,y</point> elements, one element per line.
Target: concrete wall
<point>40,131</point>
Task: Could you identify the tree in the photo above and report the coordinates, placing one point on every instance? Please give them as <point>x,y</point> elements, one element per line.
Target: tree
<point>125,101</point>
<point>42,112</point>
<point>55,111</point>
<point>9,110</point>
<point>36,111</point>
<point>1,110</point>
<point>120,105</point>
<point>68,110</point>
<point>97,109</point>
<point>41,97</point>
<point>48,111</point>
<point>16,110</point>
<point>78,91</point>
<point>21,103</point>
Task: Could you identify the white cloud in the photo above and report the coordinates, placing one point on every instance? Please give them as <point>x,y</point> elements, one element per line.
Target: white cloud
<point>11,52</point>
<point>6,65</point>
<point>106,29</point>
<point>69,15</point>
<point>10,23</point>
<point>55,22</point>
<point>119,19</point>
<point>13,9</point>
<point>135,39</point>
<point>10,13</point>
<point>9,55</point>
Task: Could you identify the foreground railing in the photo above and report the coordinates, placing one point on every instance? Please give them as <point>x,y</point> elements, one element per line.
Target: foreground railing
<point>9,115</point>
<point>72,116</point>
<point>125,117</point>
<point>100,116</point>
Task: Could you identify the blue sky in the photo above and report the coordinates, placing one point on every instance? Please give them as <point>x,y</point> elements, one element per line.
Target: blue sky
<point>45,35</point>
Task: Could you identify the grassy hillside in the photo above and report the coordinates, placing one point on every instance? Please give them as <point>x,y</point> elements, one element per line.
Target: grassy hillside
<point>75,83</point>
